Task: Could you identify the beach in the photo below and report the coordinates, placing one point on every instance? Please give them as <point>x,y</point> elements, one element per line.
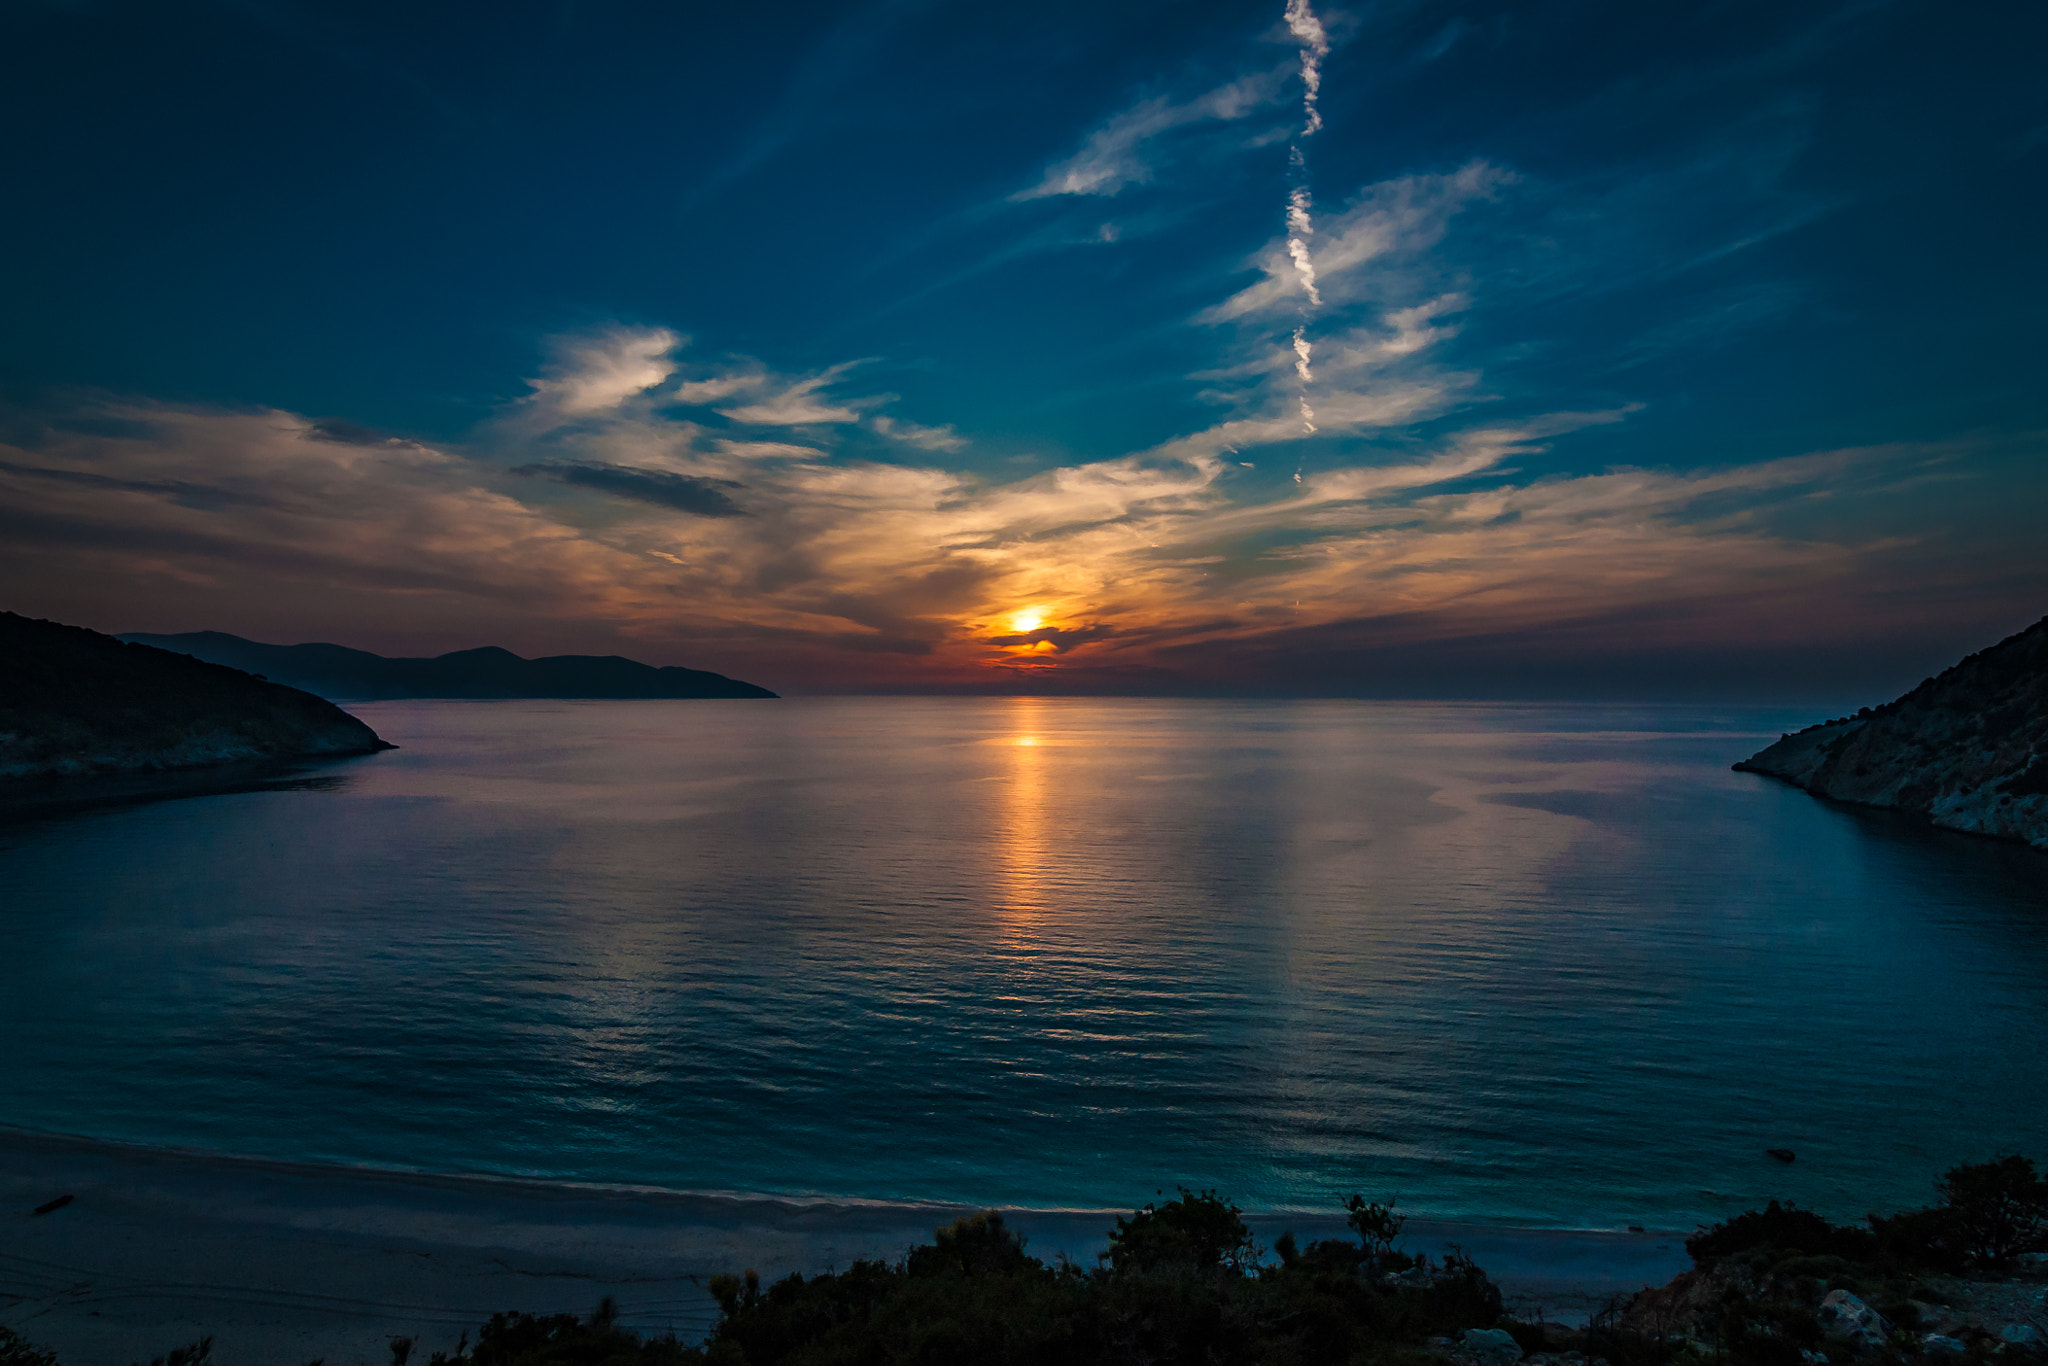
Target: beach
<point>283,1262</point>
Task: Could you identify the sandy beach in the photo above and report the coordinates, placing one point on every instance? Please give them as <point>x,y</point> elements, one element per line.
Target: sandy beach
<point>282,1262</point>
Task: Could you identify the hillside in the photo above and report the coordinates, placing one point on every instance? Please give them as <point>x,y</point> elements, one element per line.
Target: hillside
<point>1967,749</point>
<point>73,701</point>
<point>337,671</point>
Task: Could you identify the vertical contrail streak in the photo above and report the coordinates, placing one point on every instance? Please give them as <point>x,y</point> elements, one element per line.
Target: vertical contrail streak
<point>1308,31</point>
<point>1315,45</point>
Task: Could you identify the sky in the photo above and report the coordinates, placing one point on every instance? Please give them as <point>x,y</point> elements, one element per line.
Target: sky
<point>1277,348</point>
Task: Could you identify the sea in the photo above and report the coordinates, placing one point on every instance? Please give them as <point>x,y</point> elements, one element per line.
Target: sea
<point>1553,966</point>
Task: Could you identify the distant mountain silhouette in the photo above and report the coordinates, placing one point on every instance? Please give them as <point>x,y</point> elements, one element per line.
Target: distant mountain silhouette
<point>75,702</point>
<point>1967,749</point>
<point>337,671</point>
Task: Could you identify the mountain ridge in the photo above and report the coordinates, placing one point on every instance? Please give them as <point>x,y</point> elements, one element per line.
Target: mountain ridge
<point>1966,749</point>
<point>486,672</point>
<point>74,702</point>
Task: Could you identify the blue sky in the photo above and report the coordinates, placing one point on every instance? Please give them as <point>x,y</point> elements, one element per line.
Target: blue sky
<point>1652,349</point>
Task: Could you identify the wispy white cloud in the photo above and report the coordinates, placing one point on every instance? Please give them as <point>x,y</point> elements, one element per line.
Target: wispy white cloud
<point>595,371</point>
<point>704,392</point>
<point>942,438</point>
<point>1393,218</point>
<point>797,403</point>
<point>1114,155</point>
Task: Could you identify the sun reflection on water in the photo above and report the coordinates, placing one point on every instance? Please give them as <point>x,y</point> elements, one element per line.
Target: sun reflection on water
<point>1020,851</point>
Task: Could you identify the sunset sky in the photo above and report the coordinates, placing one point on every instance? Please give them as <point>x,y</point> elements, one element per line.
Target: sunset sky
<point>1583,349</point>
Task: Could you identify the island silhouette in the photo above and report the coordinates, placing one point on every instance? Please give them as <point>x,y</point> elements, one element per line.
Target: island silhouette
<point>336,671</point>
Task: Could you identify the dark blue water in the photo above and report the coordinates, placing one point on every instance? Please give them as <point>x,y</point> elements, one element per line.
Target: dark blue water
<point>1554,965</point>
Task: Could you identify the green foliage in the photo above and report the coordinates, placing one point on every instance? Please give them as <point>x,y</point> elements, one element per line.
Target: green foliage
<point>1182,1282</point>
<point>191,1354</point>
<point>978,1245</point>
<point>1376,1225</point>
<point>1766,1332</point>
<point>562,1340</point>
<point>1780,1230</point>
<point>16,1350</point>
<point>1195,1230</point>
<point>1998,1210</point>
<point>1919,1239</point>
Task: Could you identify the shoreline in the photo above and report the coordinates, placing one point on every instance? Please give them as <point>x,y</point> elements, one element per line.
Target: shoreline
<point>283,1261</point>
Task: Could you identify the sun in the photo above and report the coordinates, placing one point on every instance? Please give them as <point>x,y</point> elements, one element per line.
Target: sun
<point>1028,620</point>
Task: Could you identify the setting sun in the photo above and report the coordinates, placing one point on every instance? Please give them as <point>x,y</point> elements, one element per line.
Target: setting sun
<point>1030,619</point>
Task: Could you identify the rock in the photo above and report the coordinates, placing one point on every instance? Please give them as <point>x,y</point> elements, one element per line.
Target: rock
<point>1936,1345</point>
<point>1967,750</point>
<point>2021,1335</point>
<point>1844,1316</point>
<point>1489,1347</point>
<point>1782,1154</point>
<point>75,703</point>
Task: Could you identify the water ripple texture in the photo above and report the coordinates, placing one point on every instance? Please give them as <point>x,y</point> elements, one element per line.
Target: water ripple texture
<point>1547,965</point>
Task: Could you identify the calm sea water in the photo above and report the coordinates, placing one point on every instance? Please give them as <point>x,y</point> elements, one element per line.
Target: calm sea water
<point>1547,965</point>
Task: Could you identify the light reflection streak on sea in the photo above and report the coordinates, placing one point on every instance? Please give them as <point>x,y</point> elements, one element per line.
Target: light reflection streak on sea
<point>1542,964</point>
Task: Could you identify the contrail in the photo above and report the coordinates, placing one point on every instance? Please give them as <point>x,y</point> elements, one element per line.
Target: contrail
<point>1308,31</point>
<point>1315,45</point>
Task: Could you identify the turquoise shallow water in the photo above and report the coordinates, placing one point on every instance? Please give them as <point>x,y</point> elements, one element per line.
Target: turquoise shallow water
<point>1546,965</point>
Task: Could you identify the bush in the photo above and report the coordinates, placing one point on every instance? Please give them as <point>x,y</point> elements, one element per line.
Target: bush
<point>1376,1225</point>
<point>1997,1210</point>
<point>1919,1240</point>
<point>1779,1230</point>
<point>16,1350</point>
<point>560,1340</point>
<point>1195,1230</point>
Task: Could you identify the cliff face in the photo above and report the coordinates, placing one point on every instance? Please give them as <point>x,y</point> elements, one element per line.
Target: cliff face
<point>74,701</point>
<point>337,671</point>
<point>1968,748</point>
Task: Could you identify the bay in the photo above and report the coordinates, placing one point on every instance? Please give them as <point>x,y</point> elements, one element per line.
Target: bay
<point>1542,965</point>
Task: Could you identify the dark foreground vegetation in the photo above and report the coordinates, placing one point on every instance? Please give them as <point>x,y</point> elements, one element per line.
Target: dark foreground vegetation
<point>1183,1282</point>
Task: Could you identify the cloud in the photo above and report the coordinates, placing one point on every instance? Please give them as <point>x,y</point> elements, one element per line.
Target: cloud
<point>766,450</point>
<point>924,438</point>
<point>1393,218</point>
<point>596,371</point>
<point>704,392</point>
<point>1113,156</point>
<point>864,572</point>
<point>680,492</point>
<point>1315,45</point>
<point>796,404</point>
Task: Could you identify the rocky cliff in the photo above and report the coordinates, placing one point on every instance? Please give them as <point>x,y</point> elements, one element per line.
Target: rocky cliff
<point>1968,749</point>
<point>74,701</point>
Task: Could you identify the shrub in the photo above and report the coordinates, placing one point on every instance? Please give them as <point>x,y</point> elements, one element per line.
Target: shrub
<point>1376,1225</point>
<point>16,1350</point>
<point>1195,1230</point>
<point>1919,1239</point>
<point>1997,1210</point>
<point>1779,1230</point>
<point>978,1245</point>
<point>563,1340</point>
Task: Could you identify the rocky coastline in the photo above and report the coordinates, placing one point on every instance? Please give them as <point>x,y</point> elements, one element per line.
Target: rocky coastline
<point>1966,750</point>
<point>75,703</point>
